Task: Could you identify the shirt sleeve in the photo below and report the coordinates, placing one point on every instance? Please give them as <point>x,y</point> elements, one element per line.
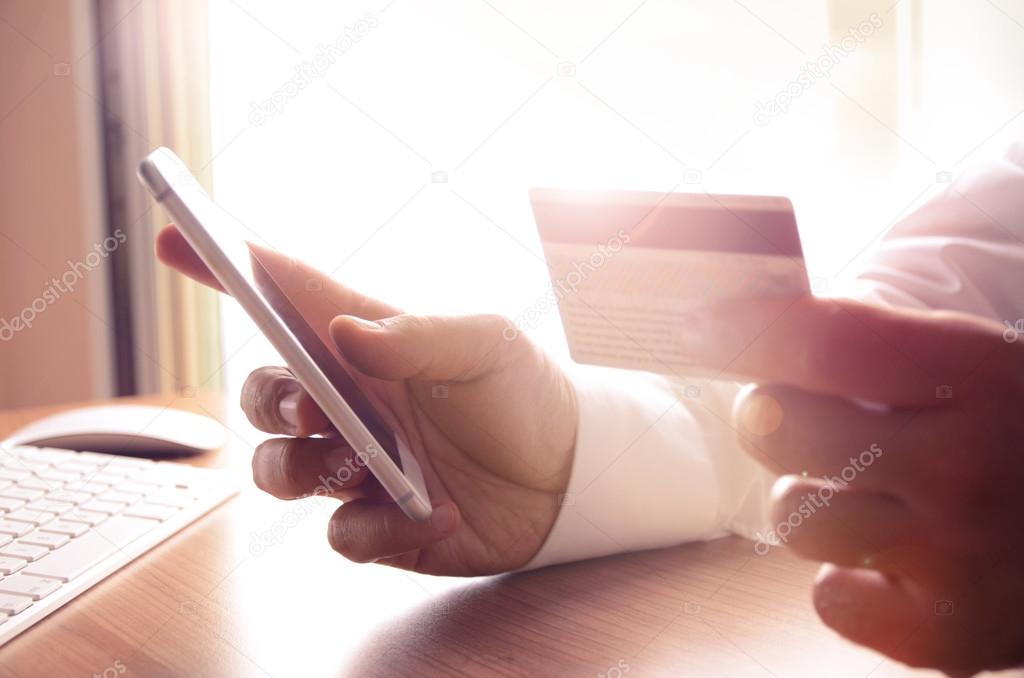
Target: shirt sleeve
<point>657,462</point>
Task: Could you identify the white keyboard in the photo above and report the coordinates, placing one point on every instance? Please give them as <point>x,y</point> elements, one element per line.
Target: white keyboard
<point>70,519</point>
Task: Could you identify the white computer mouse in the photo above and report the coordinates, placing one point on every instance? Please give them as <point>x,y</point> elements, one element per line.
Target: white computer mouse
<point>124,429</point>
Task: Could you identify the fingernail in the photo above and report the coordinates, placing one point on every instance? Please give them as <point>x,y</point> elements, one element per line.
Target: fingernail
<point>761,414</point>
<point>442,519</point>
<point>289,411</point>
<point>363,322</point>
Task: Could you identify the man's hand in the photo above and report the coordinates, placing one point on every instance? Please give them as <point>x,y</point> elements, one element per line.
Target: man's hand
<point>902,439</point>
<point>491,420</point>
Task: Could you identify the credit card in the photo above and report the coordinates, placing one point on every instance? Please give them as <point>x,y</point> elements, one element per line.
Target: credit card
<point>631,271</point>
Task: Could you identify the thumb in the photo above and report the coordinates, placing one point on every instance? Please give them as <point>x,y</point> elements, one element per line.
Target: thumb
<point>845,348</point>
<point>457,348</point>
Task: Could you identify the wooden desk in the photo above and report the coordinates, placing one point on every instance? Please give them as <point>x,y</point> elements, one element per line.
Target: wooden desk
<point>213,601</point>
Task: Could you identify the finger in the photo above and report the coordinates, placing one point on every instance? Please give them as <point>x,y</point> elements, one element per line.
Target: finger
<point>173,250</point>
<point>789,430</point>
<point>289,468</point>
<point>365,531</point>
<point>316,296</point>
<point>869,608</point>
<point>842,347</point>
<point>458,348</point>
<point>909,623</point>
<point>275,402</point>
<point>846,527</point>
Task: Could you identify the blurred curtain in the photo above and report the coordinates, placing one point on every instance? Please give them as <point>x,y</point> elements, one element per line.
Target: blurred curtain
<point>155,74</point>
<point>871,102</point>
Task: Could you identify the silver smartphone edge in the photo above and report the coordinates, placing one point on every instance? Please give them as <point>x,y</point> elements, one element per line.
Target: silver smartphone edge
<point>312,378</point>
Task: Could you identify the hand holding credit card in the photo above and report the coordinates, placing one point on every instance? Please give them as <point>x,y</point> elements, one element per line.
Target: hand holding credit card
<point>632,272</point>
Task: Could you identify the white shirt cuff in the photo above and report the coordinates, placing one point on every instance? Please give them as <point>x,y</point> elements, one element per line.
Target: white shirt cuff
<point>638,481</point>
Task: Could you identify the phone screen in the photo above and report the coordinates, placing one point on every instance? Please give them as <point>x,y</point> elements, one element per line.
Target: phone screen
<point>324,356</point>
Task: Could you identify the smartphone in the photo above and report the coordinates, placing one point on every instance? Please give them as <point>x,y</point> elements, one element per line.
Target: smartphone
<point>220,241</point>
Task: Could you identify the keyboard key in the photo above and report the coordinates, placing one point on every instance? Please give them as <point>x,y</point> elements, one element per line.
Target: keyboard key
<point>171,496</point>
<point>8,504</point>
<point>91,487</point>
<point>50,506</point>
<point>108,478</point>
<point>86,468</point>
<point>25,585</point>
<point>29,465</point>
<point>27,552</point>
<point>12,604</point>
<point>94,458</point>
<point>47,454</point>
<point>59,476</point>
<point>118,464</point>
<point>5,539</point>
<point>22,493</point>
<point>80,554</point>
<point>77,515</point>
<point>136,488</point>
<point>120,496</point>
<point>122,530</point>
<point>29,516</point>
<point>11,565</point>
<point>14,475</point>
<point>41,484</point>
<point>71,561</point>
<point>50,540</point>
<point>70,496</point>
<point>65,527</point>
<point>155,477</point>
<point>108,507</point>
<point>15,528</point>
<point>151,511</point>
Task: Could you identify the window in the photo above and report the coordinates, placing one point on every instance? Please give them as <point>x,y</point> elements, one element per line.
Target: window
<point>391,144</point>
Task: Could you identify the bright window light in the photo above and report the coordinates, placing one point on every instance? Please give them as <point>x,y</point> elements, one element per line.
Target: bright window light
<point>391,144</point>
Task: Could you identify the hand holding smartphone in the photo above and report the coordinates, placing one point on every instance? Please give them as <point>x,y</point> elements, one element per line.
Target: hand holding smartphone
<point>360,418</point>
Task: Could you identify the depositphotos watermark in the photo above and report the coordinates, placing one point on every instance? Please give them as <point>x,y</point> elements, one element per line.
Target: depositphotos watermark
<point>616,670</point>
<point>302,509</point>
<point>816,500</point>
<point>57,288</point>
<point>813,71</point>
<point>1013,331</point>
<point>116,669</point>
<point>308,72</point>
<point>566,285</point>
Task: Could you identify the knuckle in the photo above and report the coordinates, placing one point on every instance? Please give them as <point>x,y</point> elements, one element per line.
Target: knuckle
<point>275,467</point>
<point>289,463</point>
<point>506,342</point>
<point>501,329</point>
<point>343,539</point>
<point>262,459</point>
<point>406,322</point>
<point>786,497</point>
<point>498,348</point>
<point>261,395</point>
<point>761,422</point>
